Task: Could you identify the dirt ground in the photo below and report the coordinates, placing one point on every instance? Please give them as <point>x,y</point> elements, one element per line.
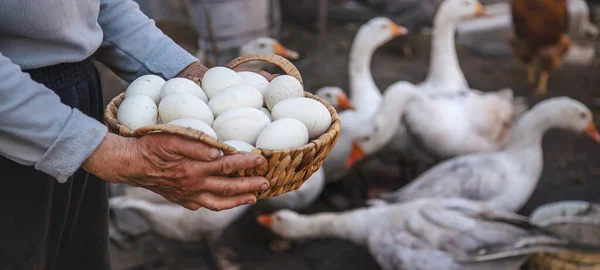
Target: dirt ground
<point>569,170</point>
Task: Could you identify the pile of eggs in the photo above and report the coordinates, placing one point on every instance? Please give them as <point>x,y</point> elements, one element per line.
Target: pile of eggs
<point>241,109</point>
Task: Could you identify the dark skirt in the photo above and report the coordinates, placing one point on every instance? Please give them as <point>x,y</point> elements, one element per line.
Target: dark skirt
<point>45,224</point>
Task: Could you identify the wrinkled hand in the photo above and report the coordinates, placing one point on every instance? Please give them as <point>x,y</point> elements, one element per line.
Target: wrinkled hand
<point>197,70</point>
<point>185,172</point>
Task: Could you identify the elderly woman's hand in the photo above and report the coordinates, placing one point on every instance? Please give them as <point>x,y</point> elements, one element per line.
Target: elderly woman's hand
<point>184,171</point>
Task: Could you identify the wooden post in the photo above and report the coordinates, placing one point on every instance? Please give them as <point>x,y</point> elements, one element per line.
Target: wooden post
<point>322,17</point>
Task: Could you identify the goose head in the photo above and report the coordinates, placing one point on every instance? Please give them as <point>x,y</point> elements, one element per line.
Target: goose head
<point>367,142</point>
<point>452,11</point>
<point>378,31</point>
<point>559,112</point>
<point>267,45</point>
<point>285,223</point>
<point>569,114</point>
<point>336,97</point>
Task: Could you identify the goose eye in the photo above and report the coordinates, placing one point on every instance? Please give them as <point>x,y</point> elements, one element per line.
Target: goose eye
<point>383,26</point>
<point>467,3</point>
<point>278,218</point>
<point>582,115</point>
<point>262,45</point>
<point>375,129</point>
<point>328,95</point>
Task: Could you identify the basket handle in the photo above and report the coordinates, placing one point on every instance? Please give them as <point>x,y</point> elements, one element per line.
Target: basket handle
<point>274,59</point>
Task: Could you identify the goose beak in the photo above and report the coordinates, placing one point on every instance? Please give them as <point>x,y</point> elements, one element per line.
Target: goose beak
<point>398,30</point>
<point>344,103</point>
<point>285,52</point>
<point>356,154</point>
<point>480,11</point>
<point>592,132</point>
<point>265,220</point>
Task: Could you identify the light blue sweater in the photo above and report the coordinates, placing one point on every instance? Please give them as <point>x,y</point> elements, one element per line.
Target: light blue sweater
<point>35,127</point>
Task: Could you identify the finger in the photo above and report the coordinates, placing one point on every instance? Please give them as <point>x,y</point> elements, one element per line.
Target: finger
<point>225,186</point>
<point>229,164</point>
<point>190,205</point>
<point>192,149</point>
<point>216,203</point>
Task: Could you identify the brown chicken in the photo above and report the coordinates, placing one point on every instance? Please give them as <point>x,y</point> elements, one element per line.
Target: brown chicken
<point>540,34</point>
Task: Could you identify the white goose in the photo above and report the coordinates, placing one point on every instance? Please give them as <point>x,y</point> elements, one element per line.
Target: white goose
<point>445,75</point>
<point>265,45</point>
<point>431,129</point>
<point>504,179</point>
<point>175,222</point>
<point>441,234</point>
<point>364,94</point>
<point>336,97</point>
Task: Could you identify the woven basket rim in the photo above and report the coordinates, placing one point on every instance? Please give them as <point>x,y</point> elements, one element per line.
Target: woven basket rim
<point>329,137</point>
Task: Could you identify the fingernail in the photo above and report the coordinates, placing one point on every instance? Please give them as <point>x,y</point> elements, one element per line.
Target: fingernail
<point>251,202</point>
<point>214,153</point>
<point>260,161</point>
<point>264,187</point>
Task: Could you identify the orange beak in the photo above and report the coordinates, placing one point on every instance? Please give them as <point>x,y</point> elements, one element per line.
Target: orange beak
<point>480,11</point>
<point>285,52</point>
<point>344,103</point>
<point>356,154</point>
<point>265,220</point>
<point>398,30</point>
<point>592,132</point>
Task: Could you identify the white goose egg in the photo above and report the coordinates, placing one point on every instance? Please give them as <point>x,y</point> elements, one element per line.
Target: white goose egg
<point>241,124</point>
<point>180,105</point>
<point>137,111</point>
<point>195,124</point>
<point>256,80</point>
<point>282,87</point>
<point>313,114</point>
<point>147,85</point>
<point>282,134</point>
<point>240,145</point>
<point>182,85</point>
<point>219,78</point>
<point>267,113</point>
<point>235,96</point>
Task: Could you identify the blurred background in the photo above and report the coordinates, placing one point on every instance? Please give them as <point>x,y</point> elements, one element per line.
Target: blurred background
<point>322,32</point>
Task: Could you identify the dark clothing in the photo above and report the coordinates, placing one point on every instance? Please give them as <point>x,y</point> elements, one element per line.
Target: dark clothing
<point>45,224</point>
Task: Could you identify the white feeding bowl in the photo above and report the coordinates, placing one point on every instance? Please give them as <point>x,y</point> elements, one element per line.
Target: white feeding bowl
<point>282,134</point>
<point>235,96</point>
<point>180,105</point>
<point>282,87</point>
<point>313,114</point>
<point>137,111</point>
<point>147,85</point>
<point>241,124</point>
<point>219,78</point>
<point>195,124</point>
<point>182,85</point>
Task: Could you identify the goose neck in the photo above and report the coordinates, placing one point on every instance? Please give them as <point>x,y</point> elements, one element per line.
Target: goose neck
<point>443,59</point>
<point>362,85</point>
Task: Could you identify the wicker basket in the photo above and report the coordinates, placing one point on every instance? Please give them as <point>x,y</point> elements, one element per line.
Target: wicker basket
<point>286,169</point>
